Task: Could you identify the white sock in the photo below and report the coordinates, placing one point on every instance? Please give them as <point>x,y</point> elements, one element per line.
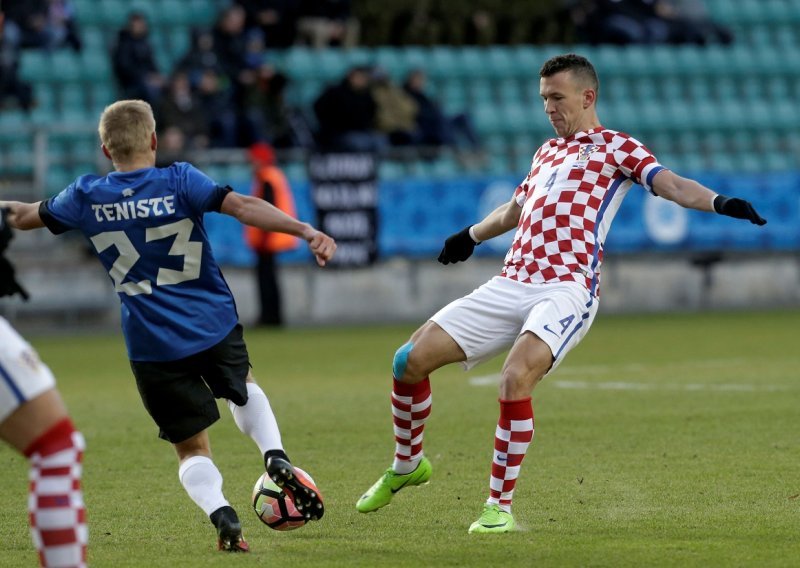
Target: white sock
<point>203,482</point>
<point>257,420</point>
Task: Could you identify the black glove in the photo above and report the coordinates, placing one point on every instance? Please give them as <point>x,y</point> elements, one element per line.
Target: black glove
<point>457,247</point>
<point>737,208</point>
<point>8,284</point>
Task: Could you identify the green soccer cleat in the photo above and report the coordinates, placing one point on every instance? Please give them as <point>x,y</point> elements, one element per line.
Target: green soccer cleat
<point>493,520</point>
<point>380,494</point>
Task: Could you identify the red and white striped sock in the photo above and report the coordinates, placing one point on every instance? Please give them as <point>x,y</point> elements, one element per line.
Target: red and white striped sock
<point>55,499</point>
<point>411,406</point>
<point>511,440</point>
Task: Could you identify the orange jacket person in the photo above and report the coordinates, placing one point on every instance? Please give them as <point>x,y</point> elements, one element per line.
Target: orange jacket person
<point>270,184</point>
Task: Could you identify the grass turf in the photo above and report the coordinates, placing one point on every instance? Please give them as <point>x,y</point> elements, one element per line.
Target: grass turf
<point>663,440</point>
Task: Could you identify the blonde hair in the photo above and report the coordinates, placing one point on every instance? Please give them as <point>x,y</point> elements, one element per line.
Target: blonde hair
<point>125,129</point>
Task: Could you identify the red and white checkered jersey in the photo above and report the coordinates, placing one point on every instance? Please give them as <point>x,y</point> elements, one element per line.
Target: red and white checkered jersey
<point>568,200</point>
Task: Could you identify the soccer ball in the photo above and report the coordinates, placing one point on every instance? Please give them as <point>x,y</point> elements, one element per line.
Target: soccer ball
<point>274,507</point>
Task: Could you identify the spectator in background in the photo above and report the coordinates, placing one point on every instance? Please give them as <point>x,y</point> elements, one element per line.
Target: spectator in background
<point>60,25</point>
<point>216,103</point>
<point>230,45</point>
<point>171,147</point>
<point>623,22</point>
<point>277,19</point>
<point>201,56</point>
<point>11,87</point>
<point>346,115</point>
<point>324,23</point>
<point>134,62</point>
<point>395,110</point>
<point>434,126</point>
<point>180,108</point>
<point>282,124</point>
<point>271,185</point>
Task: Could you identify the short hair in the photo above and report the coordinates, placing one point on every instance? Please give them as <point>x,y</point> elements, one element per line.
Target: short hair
<point>579,65</point>
<point>125,129</point>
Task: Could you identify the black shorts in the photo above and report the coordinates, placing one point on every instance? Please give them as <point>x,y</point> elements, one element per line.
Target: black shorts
<point>180,395</point>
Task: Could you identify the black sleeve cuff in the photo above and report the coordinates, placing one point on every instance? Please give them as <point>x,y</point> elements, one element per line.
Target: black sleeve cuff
<point>55,226</point>
<point>221,195</point>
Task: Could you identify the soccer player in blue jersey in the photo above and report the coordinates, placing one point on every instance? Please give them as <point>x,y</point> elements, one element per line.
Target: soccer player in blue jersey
<point>179,318</point>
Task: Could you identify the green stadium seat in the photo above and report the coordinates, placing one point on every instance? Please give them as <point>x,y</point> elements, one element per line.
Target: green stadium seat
<point>73,97</point>
<point>509,91</point>
<point>471,62</point>
<point>299,63</point>
<point>498,62</point>
<point>95,66</point>
<point>330,64</point>
<point>65,67</point>
<point>453,96</point>
<point>480,92</point>
<point>34,66</point>
<point>172,13</point>
<point>444,63</point>
<point>200,12</point>
<point>486,118</point>
<point>526,60</point>
<point>360,56</point>
<point>390,59</point>
<point>415,57</point>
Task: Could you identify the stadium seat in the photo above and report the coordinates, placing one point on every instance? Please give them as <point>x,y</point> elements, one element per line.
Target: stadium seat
<point>299,63</point>
<point>443,63</point>
<point>498,62</point>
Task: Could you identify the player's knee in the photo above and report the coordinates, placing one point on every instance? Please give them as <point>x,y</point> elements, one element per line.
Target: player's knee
<point>518,382</point>
<point>400,361</point>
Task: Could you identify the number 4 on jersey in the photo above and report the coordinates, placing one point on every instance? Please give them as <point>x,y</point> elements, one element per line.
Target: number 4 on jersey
<point>551,181</point>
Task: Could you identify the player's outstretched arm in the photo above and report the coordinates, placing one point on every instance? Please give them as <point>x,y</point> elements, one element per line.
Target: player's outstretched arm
<point>23,216</point>
<point>460,246</point>
<point>265,216</point>
<point>691,194</point>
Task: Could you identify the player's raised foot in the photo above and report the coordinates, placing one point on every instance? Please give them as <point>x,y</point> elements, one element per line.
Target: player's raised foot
<point>381,493</point>
<point>493,520</point>
<point>229,530</point>
<point>305,496</point>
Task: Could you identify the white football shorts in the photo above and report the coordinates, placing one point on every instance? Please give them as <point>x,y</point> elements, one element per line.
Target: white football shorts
<point>22,375</point>
<point>489,320</point>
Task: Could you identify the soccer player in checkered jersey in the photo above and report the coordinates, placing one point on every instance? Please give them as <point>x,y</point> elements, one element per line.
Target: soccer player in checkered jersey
<point>34,421</point>
<point>179,319</point>
<point>544,300</point>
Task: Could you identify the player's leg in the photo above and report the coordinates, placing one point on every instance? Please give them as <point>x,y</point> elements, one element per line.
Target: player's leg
<point>558,317</point>
<point>183,407</point>
<point>428,349</point>
<point>528,361</point>
<point>34,421</point>
<point>226,370</point>
<point>256,419</point>
<point>469,330</point>
<point>203,482</point>
<point>41,430</point>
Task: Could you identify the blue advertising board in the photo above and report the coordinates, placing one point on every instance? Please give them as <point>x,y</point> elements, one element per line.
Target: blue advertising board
<point>416,215</point>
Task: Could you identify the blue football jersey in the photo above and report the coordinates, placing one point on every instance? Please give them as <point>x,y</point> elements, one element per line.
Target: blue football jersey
<point>146,227</point>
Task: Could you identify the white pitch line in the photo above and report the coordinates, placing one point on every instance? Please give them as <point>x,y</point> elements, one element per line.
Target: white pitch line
<point>491,380</point>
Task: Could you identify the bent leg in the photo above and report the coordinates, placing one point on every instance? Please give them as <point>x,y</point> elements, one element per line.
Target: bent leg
<point>256,419</point>
<point>41,430</point>
<point>32,419</point>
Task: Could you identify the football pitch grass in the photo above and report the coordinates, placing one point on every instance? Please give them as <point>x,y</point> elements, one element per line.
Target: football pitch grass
<point>663,440</point>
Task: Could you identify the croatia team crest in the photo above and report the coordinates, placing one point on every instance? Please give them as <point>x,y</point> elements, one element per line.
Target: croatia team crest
<point>586,150</point>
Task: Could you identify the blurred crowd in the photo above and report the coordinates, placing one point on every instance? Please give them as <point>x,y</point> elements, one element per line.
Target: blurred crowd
<point>225,92</point>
